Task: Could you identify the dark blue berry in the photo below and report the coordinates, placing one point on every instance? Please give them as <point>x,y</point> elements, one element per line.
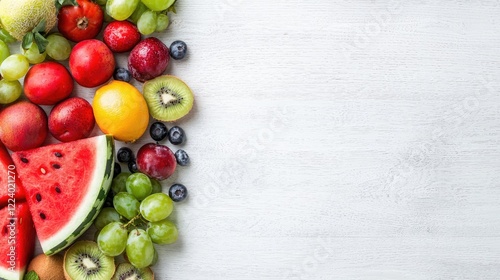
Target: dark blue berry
<point>177,192</point>
<point>176,135</point>
<point>125,154</point>
<point>182,157</point>
<point>122,74</point>
<point>178,50</point>
<point>132,166</point>
<point>117,170</point>
<point>158,131</point>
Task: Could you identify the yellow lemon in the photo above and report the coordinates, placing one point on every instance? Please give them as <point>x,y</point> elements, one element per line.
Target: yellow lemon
<point>120,110</point>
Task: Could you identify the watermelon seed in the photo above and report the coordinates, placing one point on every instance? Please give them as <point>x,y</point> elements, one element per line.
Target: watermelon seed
<point>38,197</point>
<point>25,160</point>
<point>58,154</point>
<point>56,166</point>
<point>43,170</point>
<point>58,190</point>
<point>42,215</point>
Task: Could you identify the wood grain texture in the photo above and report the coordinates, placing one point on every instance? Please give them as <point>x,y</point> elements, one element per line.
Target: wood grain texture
<point>338,140</point>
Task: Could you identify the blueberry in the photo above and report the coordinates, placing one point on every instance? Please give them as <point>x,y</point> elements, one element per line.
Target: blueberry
<point>176,135</point>
<point>125,154</point>
<point>158,131</point>
<point>178,50</point>
<point>177,192</point>
<point>122,74</point>
<point>117,170</point>
<point>182,157</point>
<point>132,166</point>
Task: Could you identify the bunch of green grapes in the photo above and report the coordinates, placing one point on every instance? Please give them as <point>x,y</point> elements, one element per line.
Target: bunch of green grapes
<point>137,220</point>
<point>149,15</point>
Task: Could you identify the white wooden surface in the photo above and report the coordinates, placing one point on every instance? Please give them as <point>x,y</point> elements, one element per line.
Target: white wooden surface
<point>338,140</point>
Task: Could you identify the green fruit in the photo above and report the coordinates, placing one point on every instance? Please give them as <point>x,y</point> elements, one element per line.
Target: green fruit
<point>168,98</point>
<point>127,271</point>
<point>163,232</point>
<point>121,9</point>
<point>84,260</point>
<point>10,91</point>
<point>20,17</point>
<point>112,239</point>
<point>106,216</point>
<point>158,5</point>
<point>140,249</point>
<point>126,205</point>
<point>138,185</point>
<point>156,207</point>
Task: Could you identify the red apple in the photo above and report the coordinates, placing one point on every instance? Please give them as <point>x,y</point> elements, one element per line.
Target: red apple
<point>91,63</point>
<point>47,83</point>
<point>148,59</point>
<point>23,126</point>
<point>157,161</point>
<point>71,119</point>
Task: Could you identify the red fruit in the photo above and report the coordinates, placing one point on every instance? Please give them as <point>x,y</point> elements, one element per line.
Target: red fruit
<point>91,63</point>
<point>149,59</point>
<point>47,83</point>
<point>23,126</point>
<point>78,23</point>
<point>71,120</point>
<point>156,161</point>
<point>7,167</point>
<point>121,36</point>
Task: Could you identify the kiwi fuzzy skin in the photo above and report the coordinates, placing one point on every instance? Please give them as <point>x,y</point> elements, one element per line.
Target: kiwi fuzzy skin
<point>47,267</point>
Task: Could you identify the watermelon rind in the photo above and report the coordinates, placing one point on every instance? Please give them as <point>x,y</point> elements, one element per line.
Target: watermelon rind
<point>93,201</point>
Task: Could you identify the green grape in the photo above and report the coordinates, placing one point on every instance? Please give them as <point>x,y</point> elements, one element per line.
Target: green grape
<point>4,51</point>
<point>156,186</point>
<point>106,216</point>
<point>156,207</point>
<point>33,54</point>
<point>14,67</point>
<point>58,47</point>
<point>126,205</point>
<point>140,249</point>
<point>118,183</point>
<point>121,9</point>
<point>112,239</point>
<point>162,22</point>
<point>139,185</point>
<point>158,5</point>
<point>10,91</point>
<point>141,8</point>
<point>101,2</point>
<point>162,232</point>
<point>147,23</point>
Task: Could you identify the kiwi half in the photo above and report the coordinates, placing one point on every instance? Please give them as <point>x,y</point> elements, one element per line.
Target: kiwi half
<point>84,261</point>
<point>168,98</point>
<point>126,271</point>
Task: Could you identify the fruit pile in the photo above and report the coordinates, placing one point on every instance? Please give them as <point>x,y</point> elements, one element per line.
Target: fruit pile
<point>59,177</point>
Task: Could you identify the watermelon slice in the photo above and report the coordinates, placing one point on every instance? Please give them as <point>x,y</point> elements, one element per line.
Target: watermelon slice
<point>66,185</point>
<point>17,240</point>
<point>7,178</point>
